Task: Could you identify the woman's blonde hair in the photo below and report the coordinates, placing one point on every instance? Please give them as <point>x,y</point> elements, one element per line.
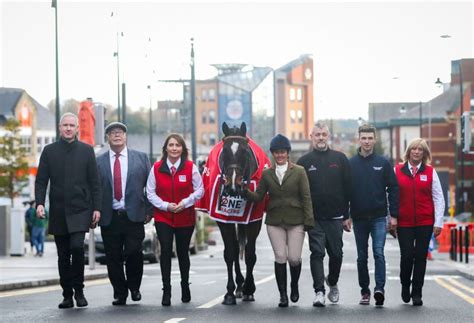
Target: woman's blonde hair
<point>418,142</point>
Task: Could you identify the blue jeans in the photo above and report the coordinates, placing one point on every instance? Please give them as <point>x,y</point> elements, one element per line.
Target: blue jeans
<point>377,229</point>
<point>38,234</point>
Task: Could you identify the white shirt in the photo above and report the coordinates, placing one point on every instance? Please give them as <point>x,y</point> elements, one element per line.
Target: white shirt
<point>119,205</point>
<point>280,171</point>
<point>157,202</point>
<point>437,195</point>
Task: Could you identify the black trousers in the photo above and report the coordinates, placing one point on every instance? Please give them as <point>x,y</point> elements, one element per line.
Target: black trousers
<point>123,243</point>
<point>414,244</point>
<point>182,235</point>
<point>70,249</point>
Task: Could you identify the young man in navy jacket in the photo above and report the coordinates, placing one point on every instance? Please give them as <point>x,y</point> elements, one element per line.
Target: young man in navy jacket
<point>373,181</point>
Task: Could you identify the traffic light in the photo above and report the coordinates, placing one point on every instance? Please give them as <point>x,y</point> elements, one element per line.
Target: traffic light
<point>466,132</point>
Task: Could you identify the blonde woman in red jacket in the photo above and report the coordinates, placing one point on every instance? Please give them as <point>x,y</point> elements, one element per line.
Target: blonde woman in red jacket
<point>173,187</point>
<point>420,215</point>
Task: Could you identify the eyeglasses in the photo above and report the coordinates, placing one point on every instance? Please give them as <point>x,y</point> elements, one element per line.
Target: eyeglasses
<point>116,132</point>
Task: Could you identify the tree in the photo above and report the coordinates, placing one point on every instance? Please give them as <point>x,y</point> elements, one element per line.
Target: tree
<point>13,163</point>
<point>70,105</point>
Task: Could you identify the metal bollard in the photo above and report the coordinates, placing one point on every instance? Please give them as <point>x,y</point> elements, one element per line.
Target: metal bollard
<point>455,242</point>
<point>460,244</point>
<point>466,242</point>
<point>451,245</point>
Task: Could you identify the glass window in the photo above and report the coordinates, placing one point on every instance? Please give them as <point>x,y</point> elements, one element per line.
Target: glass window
<point>204,138</point>
<point>299,113</point>
<point>212,139</point>
<point>212,94</point>
<point>204,95</point>
<point>292,94</point>
<point>299,95</point>
<point>292,116</point>
<point>204,117</point>
<point>212,116</point>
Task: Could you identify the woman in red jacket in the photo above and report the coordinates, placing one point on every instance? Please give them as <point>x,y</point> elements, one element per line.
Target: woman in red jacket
<point>420,215</point>
<point>173,186</point>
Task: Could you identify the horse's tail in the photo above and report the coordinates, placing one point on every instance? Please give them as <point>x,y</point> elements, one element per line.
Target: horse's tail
<point>242,236</point>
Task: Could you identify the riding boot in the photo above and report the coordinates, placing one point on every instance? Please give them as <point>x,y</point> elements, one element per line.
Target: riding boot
<point>295,272</point>
<point>166,299</point>
<point>280,274</point>
<point>185,292</point>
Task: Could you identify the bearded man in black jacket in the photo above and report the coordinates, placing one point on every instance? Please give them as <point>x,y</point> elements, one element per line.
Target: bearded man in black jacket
<point>329,178</point>
<point>69,166</point>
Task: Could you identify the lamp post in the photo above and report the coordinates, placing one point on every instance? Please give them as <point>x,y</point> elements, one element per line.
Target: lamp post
<point>54,4</point>
<point>461,199</point>
<point>403,110</point>
<point>151,124</point>
<point>193,104</point>
<point>116,54</point>
<point>421,118</point>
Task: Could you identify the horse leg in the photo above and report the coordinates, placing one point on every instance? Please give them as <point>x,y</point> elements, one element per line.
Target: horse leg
<point>229,256</point>
<point>253,229</point>
<point>239,278</point>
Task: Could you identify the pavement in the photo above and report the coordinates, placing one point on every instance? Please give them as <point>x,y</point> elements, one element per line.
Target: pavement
<point>17,272</point>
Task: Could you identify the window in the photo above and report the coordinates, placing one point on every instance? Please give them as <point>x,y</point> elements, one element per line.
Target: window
<point>292,94</point>
<point>299,95</point>
<point>204,138</point>
<point>292,116</point>
<point>299,113</point>
<point>212,116</point>
<point>204,95</point>
<point>204,117</point>
<point>212,94</point>
<point>212,139</point>
<point>26,143</point>
<point>301,136</point>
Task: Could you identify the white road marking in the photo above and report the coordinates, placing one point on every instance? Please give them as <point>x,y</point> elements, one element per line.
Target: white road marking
<point>209,282</point>
<point>218,299</point>
<point>175,319</point>
<point>45,289</point>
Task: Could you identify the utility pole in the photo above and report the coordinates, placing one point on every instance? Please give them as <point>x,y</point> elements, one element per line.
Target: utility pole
<point>193,105</point>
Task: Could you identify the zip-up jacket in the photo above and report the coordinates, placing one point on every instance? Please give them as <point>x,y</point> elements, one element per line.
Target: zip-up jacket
<point>174,188</point>
<point>416,198</point>
<point>330,183</point>
<point>373,180</point>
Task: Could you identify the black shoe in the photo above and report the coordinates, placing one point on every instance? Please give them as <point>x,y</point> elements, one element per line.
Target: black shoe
<point>406,293</point>
<point>136,295</point>
<point>120,301</point>
<point>185,293</point>
<point>295,272</point>
<point>379,298</point>
<point>166,299</point>
<point>66,303</point>
<point>81,301</point>
<point>417,301</point>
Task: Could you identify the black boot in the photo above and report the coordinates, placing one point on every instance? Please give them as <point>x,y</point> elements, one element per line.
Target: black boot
<point>280,274</point>
<point>81,301</point>
<point>166,299</point>
<point>416,296</point>
<point>295,272</point>
<point>66,303</point>
<point>185,292</point>
<point>406,296</point>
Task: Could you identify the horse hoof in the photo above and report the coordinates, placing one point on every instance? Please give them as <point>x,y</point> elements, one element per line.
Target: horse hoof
<point>229,299</point>
<point>248,298</point>
<point>238,293</point>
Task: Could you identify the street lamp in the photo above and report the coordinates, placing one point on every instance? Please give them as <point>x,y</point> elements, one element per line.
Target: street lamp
<point>193,105</point>
<point>402,111</point>
<point>116,54</point>
<point>421,118</point>
<point>54,4</point>
<point>151,125</point>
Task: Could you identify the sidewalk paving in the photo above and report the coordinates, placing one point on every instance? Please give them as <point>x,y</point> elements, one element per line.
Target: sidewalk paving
<point>30,271</point>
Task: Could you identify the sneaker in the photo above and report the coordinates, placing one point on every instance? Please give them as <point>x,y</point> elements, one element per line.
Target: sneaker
<point>365,299</point>
<point>319,300</point>
<point>333,295</point>
<point>379,298</point>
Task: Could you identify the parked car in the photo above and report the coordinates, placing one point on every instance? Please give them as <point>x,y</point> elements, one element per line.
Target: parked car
<point>151,245</point>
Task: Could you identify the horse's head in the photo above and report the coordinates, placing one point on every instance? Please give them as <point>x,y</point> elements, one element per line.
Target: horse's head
<point>235,159</point>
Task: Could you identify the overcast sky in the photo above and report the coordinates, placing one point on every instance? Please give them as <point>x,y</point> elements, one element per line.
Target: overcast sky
<point>363,51</point>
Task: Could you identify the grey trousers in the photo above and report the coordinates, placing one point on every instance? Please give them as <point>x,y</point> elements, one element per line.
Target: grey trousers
<point>287,243</point>
<point>326,235</point>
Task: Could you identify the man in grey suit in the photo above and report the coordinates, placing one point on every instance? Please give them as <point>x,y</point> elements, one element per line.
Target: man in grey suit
<point>123,173</point>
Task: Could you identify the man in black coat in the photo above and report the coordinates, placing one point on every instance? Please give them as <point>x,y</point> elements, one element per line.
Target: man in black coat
<point>69,166</point>
<point>125,208</point>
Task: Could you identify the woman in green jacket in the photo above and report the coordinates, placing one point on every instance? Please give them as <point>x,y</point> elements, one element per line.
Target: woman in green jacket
<point>289,214</point>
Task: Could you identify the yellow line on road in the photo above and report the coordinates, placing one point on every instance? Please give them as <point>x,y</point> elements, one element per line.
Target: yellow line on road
<point>45,289</point>
<point>218,299</point>
<point>458,284</point>
<point>455,291</point>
